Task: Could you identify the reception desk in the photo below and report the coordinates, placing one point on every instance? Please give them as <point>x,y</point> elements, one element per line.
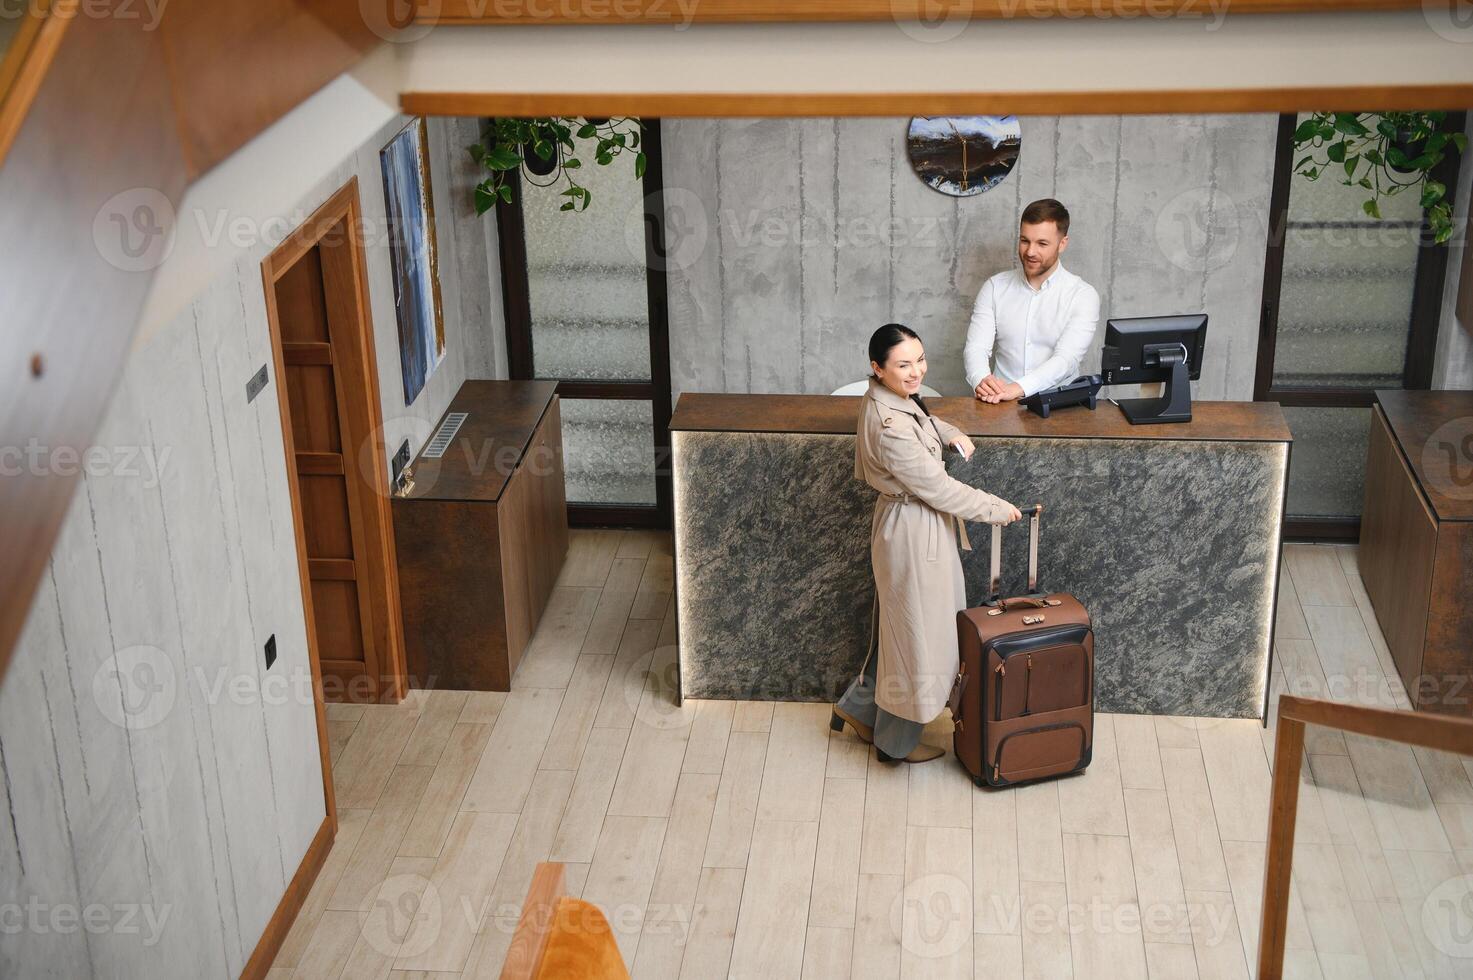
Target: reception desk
<point>1170,534</point>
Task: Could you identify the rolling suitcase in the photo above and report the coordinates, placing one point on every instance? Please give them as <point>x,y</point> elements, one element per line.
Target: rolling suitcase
<point>1023,699</point>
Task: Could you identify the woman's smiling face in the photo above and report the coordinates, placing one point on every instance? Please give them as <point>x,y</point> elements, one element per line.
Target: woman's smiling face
<point>904,368</point>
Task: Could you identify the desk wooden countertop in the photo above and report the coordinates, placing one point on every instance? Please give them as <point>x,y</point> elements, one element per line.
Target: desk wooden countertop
<point>500,419</point>
<point>1414,417</point>
<point>836,415</point>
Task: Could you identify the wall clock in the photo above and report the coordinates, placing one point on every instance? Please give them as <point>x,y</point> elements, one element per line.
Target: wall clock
<point>963,155</point>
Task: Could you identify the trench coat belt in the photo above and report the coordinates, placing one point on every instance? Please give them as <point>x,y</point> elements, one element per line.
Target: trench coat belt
<point>905,497</point>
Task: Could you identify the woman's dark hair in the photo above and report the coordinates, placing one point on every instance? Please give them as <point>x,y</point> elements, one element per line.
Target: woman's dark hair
<point>887,337</point>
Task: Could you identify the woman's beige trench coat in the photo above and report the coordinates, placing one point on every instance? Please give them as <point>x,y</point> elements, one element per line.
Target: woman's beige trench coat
<point>913,546</point>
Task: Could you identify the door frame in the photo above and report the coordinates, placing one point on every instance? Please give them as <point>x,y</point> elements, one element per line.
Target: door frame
<point>1422,332</point>
<point>387,675</point>
<point>517,302</point>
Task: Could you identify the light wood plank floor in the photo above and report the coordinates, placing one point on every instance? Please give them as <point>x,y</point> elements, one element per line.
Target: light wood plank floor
<point>742,839</point>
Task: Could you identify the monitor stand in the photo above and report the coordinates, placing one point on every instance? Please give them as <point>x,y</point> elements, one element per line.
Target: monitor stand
<point>1175,403</point>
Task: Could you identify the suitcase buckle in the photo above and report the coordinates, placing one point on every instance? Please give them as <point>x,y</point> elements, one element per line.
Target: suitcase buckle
<point>1030,620</point>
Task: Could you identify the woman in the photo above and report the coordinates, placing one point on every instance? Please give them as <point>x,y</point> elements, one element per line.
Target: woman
<point>918,573</point>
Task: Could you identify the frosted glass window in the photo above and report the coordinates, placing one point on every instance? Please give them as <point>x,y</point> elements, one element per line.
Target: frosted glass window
<point>1345,304</point>
<point>1327,466</point>
<point>586,275</point>
<point>609,451</point>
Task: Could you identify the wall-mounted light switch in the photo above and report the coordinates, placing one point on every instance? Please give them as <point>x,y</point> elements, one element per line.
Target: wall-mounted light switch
<point>257,382</point>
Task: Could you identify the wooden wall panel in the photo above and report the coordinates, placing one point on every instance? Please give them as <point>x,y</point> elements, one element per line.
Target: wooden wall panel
<point>274,53</point>
<point>85,193</point>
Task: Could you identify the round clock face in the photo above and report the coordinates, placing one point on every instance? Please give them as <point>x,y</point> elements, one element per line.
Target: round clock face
<point>963,155</point>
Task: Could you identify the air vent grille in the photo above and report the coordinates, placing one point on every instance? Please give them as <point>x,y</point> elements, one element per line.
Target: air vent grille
<point>445,434</point>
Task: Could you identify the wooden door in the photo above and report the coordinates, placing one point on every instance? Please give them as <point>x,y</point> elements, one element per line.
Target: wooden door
<point>322,328</point>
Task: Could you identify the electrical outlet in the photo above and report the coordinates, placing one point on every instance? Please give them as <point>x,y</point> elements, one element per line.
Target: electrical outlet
<point>401,460</point>
<point>271,651</point>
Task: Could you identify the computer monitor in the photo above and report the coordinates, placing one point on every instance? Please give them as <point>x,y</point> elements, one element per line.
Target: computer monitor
<point>1143,349</point>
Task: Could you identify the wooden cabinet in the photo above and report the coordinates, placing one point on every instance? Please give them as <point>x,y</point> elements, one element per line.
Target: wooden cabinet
<point>1416,544</point>
<point>481,536</point>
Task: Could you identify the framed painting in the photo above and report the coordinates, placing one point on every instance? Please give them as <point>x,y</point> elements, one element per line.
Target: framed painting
<point>410,209</point>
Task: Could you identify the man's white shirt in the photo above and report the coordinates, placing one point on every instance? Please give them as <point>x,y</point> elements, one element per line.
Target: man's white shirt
<point>1041,334</point>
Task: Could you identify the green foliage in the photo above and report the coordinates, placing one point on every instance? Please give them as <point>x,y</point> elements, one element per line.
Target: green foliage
<point>550,139</point>
<point>1380,159</point>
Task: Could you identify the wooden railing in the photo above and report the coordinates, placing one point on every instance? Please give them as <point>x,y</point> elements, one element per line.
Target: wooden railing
<point>1407,727</point>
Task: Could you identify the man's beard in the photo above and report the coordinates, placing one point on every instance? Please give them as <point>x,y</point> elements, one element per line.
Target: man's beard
<point>1043,270</point>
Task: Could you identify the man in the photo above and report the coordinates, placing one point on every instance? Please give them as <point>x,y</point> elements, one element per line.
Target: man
<point>1041,318</point>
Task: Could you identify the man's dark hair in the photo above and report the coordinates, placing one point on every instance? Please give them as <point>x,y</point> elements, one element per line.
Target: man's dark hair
<point>1047,210</point>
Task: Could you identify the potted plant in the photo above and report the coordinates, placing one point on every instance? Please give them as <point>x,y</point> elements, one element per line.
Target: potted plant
<point>1384,153</point>
<point>544,149</point>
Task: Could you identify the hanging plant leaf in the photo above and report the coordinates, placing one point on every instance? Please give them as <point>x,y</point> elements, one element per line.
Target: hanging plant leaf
<point>1432,193</point>
<point>485,199</point>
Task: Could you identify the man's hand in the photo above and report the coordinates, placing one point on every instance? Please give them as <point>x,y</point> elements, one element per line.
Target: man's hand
<point>993,389</point>
<point>964,446</point>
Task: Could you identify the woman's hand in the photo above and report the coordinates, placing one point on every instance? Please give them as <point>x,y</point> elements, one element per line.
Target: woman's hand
<point>1012,512</point>
<point>964,446</point>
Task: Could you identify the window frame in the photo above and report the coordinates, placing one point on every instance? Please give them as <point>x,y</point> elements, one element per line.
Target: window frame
<point>1422,331</point>
<point>516,298</point>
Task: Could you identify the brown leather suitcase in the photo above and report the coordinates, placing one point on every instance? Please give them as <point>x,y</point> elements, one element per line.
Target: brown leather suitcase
<point>1023,699</point>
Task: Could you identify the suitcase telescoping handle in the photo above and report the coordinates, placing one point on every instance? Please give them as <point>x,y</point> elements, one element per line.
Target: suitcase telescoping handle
<point>995,584</point>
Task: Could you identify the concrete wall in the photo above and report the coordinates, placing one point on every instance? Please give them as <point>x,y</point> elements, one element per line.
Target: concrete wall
<point>795,239</point>
<point>1453,365</point>
<point>153,772</point>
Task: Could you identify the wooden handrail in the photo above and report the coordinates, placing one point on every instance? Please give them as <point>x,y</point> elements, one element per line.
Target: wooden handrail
<point>1410,728</point>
